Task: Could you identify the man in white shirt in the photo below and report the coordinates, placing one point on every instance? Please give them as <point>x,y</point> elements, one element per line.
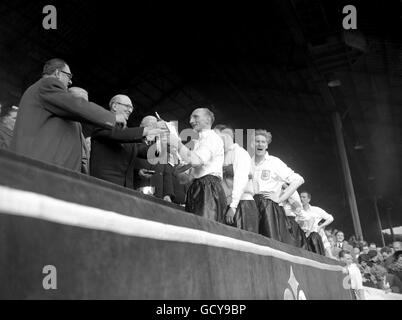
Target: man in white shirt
<point>241,211</point>
<point>269,175</point>
<point>354,275</point>
<point>309,221</point>
<point>293,210</point>
<point>205,196</point>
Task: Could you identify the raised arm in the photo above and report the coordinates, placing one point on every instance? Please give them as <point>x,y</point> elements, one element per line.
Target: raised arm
<point>134,134</point>
<point>63,104</point>
<point>328,218</point>
<point>293,179</point>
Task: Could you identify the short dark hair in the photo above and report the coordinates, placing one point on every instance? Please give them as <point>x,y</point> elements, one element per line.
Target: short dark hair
<point>308,193</point>
<point>221,127</point>
<point>342,253</point>
<point>363,257</point>
<point>386,249</point>
<point>52,65</point>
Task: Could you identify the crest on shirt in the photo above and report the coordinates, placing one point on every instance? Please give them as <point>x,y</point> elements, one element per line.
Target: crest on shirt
<point>265,174</point>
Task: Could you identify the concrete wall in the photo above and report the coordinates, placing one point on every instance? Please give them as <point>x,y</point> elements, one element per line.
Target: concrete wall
<point>107,242</point>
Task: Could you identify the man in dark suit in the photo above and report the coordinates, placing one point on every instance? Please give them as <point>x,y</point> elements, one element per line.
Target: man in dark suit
<point>85,136</point>
<point>47,126</point>
<point>341,243</point>
<point>113,151</point>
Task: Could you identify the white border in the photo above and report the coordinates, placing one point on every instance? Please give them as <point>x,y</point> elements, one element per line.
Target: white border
<point>38,206</point>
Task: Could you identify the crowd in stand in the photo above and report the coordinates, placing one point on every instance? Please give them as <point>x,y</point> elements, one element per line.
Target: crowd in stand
<point>380,267</point>
<point>214,178</point>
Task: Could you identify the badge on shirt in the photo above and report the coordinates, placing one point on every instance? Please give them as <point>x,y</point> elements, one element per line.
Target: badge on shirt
<point>265,174</point>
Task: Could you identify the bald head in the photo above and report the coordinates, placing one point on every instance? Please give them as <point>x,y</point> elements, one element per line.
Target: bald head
<point>148,121</point>
<point>79,92</point>
<point>120,98</point>
<point>121,104</point>
<point>202,118</point>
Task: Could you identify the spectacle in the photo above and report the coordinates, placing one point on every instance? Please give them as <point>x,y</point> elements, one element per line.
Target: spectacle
<point>126,105</point>
<point>69,75</point>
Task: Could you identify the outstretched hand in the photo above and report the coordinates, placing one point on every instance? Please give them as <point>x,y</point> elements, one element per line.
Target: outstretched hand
<point>149,131</point>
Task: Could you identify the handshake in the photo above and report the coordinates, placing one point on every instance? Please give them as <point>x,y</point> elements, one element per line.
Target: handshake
<point>166,131</point>
<point>155,129</point>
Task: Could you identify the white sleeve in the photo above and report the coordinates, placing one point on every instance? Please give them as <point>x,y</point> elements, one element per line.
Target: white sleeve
<point>241,170</point>
<point>356,280</point>
<point>285,173</point>
<point>324,215</point>
<point>295,202</point>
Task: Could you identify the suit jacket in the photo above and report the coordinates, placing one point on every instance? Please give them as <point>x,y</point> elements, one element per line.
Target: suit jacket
<point>47,127</point>
<point>5,137</point>
<point>345,246</point>
<point>161,179</point>
<point>113,154</point>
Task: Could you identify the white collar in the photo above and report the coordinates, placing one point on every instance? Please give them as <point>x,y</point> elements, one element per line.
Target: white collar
<point>266,157</point>
<point>203,132</point>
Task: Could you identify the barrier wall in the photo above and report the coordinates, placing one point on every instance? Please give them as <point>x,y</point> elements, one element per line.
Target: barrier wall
<point>377,294</point>
<point>107,242</point>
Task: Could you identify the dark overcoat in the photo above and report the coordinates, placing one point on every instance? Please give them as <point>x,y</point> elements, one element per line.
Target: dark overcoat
<point>47,126</point>
<point>113,153</point>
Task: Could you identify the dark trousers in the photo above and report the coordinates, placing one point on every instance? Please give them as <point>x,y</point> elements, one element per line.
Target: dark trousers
<point>246,216</point>
<point>206,198</point>
<point>274,224</point>
<point>315,243</point>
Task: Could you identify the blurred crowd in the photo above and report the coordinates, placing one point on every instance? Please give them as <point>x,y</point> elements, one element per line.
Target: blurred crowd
<point>380,267</point>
